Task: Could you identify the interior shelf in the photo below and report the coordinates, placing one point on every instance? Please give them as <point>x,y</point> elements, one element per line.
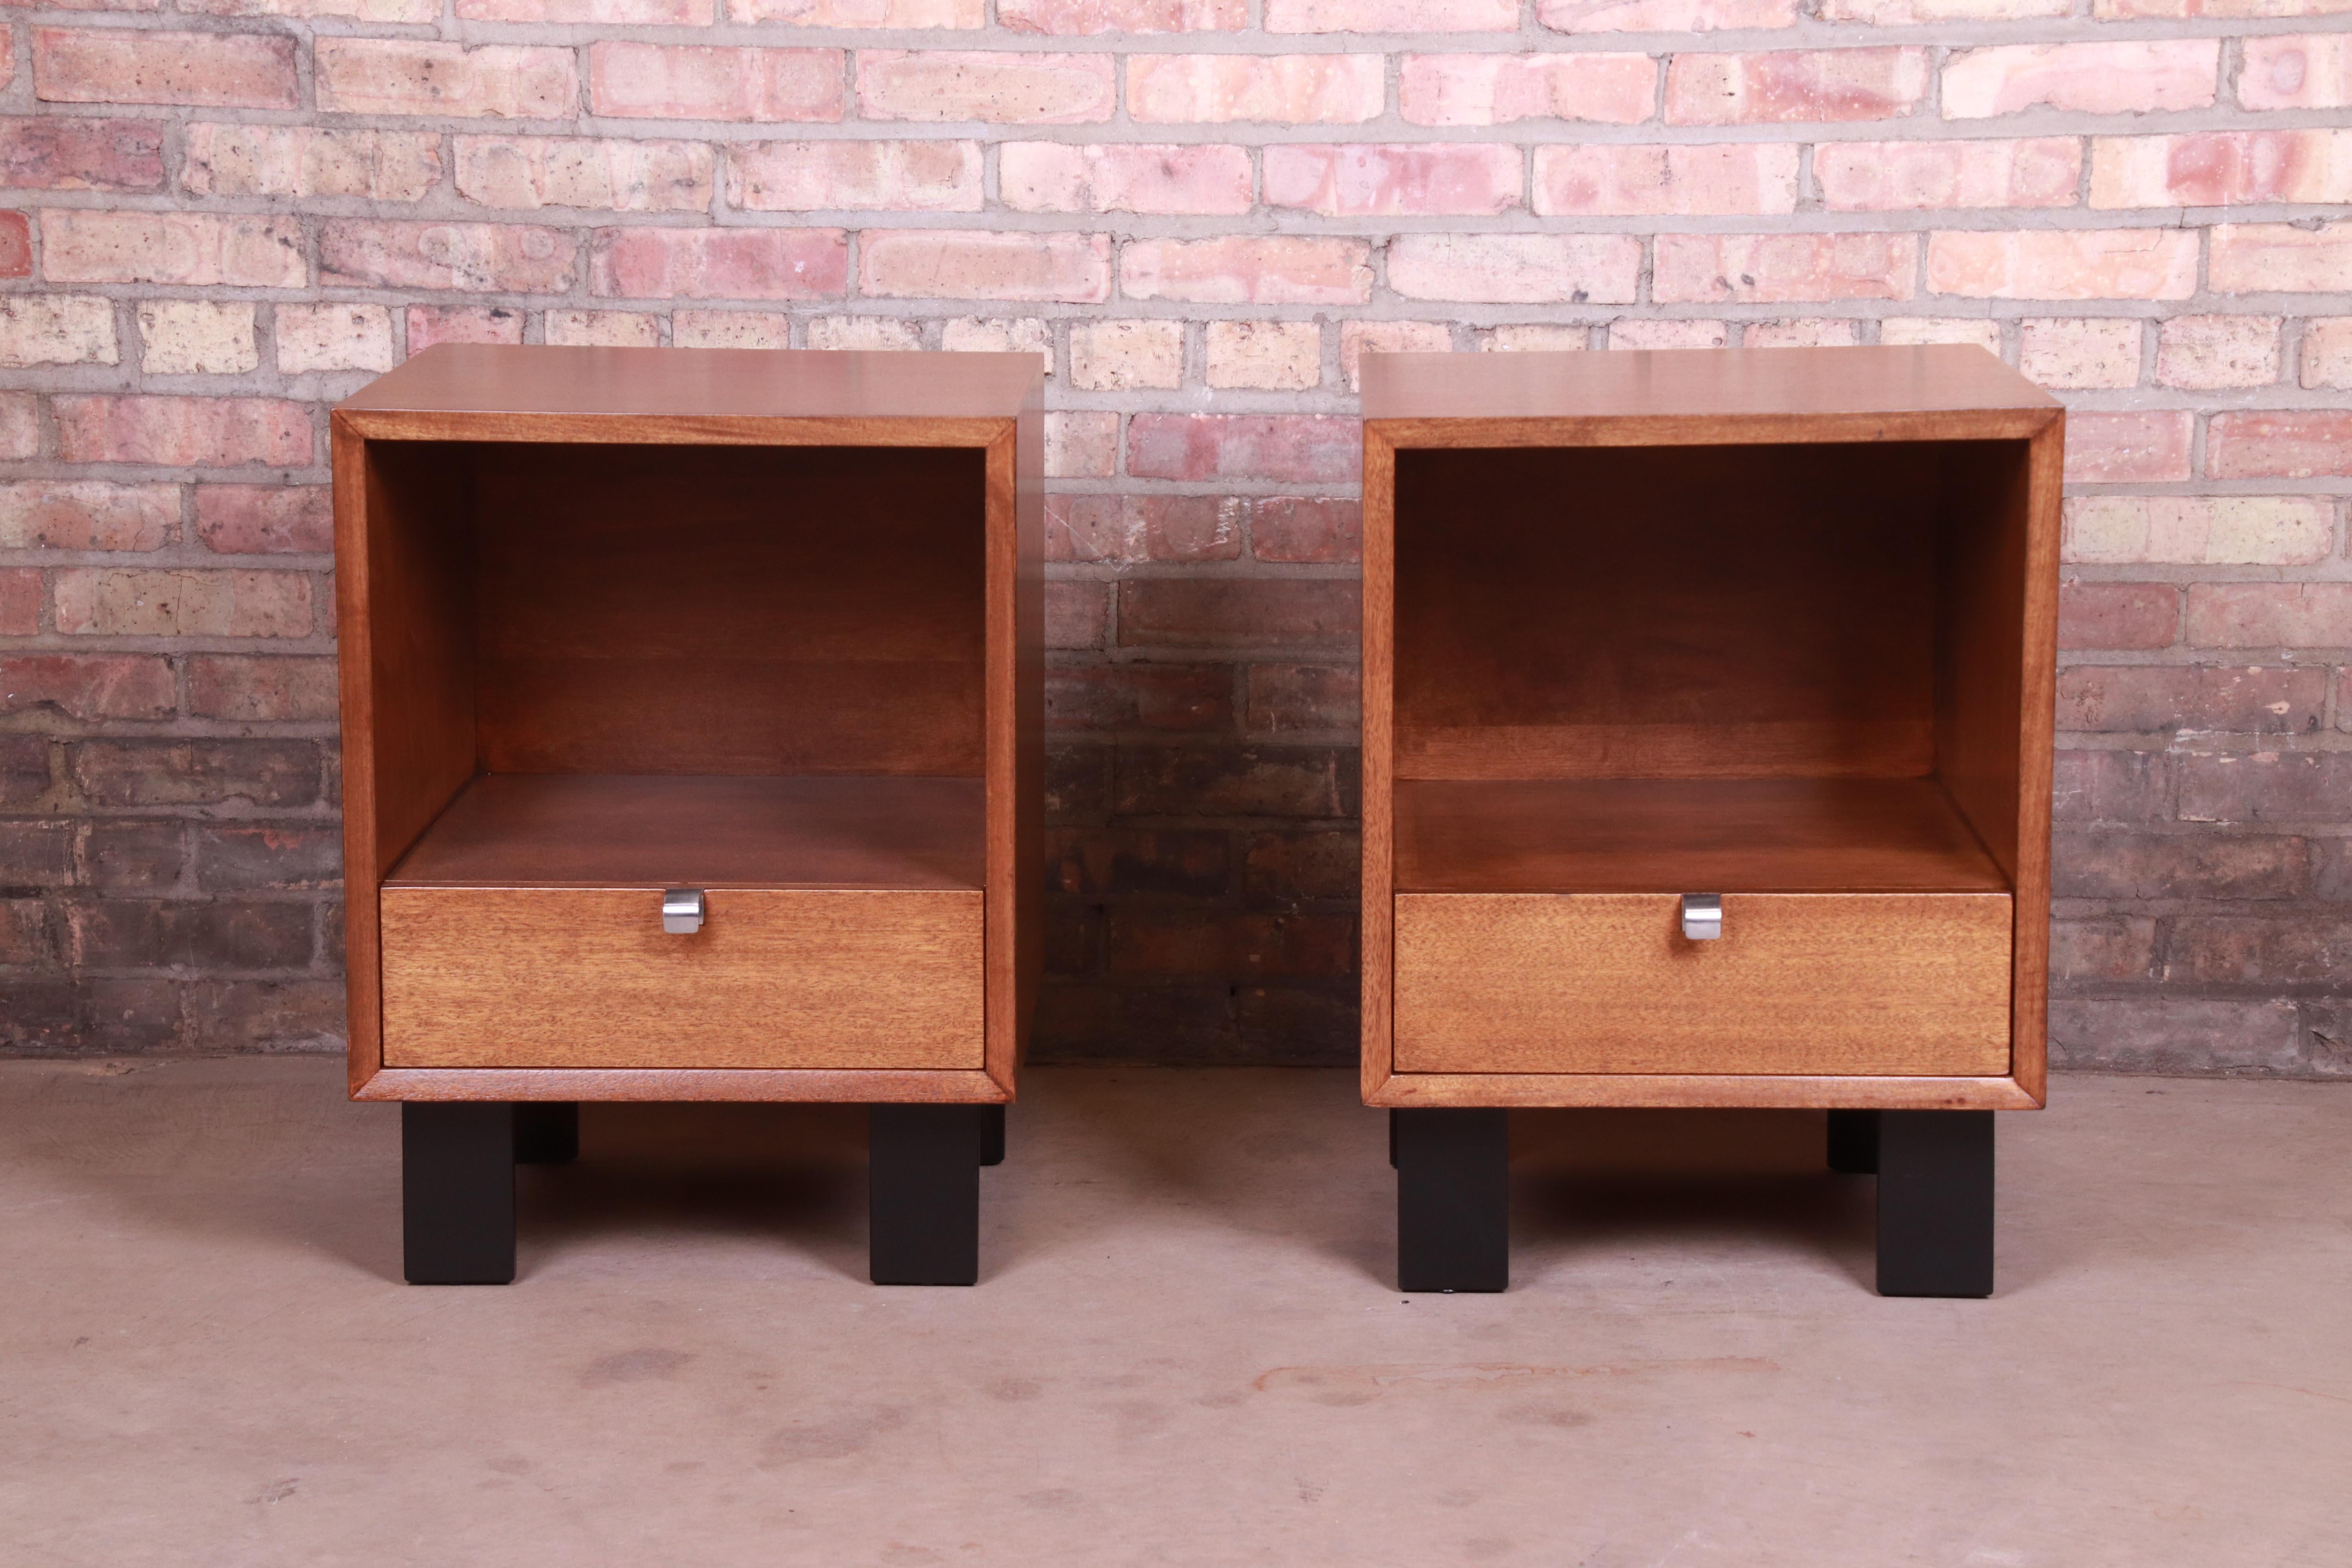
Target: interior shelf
<point>609,830</point>
<point>1672,836</point>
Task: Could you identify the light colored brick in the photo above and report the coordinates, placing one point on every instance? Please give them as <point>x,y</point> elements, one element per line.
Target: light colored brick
<point>1537,337</point>
<point>2327,352</point>
<point>603,329</point>
<point>1392,15</point>
<point>2263,257</point>
<point>2068,352</point>
<point>1922,13</point>
<point>693,82</point>
<point>999,88</point>
<point>260,691</point>
<point>881,334</point>
<point>1917,176</point>
<point>2128,447</point>
<point>138,602</point>
<point>2280,444</point>
<point>2126,10</point>
<point>1084,17</point>
<point>1655,334</point>
<point>303,161</point>
<point>20,425</point>
<point>1123,356</point>
<point>1374,180</point>
<point>193,249</point>
<point>730,329</point>
<point>183,432</point>
<point>1248,269</point>
<point>1795,87</point>
<point>196,337</point>
<point>430,324</point>
<point>1773,269</point>
<point>894,15</point>
<point>984,264</point>
<point>1803,333</point>
<point>1081,444</point>
<point>531,172</point>
<point>1285,448</point>
<point>334,337</point>
<point>84,514</point>
<point>822,176</point>
<point>470,257</point>
<point>192,70</point>
<point>1501,90</point>
<point>1517,268</point>
<point>2142,76</point>
<point>1136,177</point>
<point>2271,614</point>
<point>644,263</point>
<point>1664,15</point>
<point>2206,352</point>
<point>1272,356</point>
<point>999,334</point>
<point>2200,530</point>
<point>2310,70</point>
<point>1974,329</point>
<point>2058,263</point>
<point>1736,177</point>
<point>2221,168</point>
<point>420,76</point>
<point>591,13</point>
<point>55,329</point>
<point>1358,338</point>
<point>266,520</point>
<point>1291,89</point>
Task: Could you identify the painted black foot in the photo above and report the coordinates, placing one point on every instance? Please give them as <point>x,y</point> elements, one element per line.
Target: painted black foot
<point>1392,1116</point>
<point>991,1135</point>
<point>547,1132</point>
<point>1853,1142</point>
<point>1935,1203</point>
<point>1454,1199</point>
<point>925,1175</point>
<point>456,1192</point>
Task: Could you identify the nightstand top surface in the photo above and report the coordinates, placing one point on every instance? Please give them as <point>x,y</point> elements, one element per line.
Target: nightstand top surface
<point>700,383</point>
<point>1697,384</point>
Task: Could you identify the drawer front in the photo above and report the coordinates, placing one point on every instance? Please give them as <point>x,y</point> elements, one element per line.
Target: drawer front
<point>587,978</point>
<point>1894,983</point>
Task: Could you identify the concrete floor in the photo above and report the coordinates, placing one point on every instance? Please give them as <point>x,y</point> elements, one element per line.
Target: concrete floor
<point>1185,1349</point>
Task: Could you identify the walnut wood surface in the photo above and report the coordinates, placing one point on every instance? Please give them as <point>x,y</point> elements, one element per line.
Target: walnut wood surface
<point>911,1085</point>
<point>1729,1091</point>
<point>522,830</point>
<point>587,978</point>
<point>1888,983</point>
<point>1675,835</point>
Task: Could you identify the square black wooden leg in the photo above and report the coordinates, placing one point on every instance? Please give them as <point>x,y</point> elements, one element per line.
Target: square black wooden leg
<point>1935,1203</point>
<point>925,1173</point>
<point>458,1192</point>
<point>1454,1199</point>
<point>1853,1142</point>
<point>991,1135</point>
<point>1392,1116</point>
<point>547,1132</point>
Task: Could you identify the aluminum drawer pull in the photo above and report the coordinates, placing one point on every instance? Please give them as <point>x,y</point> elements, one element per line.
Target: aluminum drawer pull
<point>1702,916</point>
<point>682,909</point>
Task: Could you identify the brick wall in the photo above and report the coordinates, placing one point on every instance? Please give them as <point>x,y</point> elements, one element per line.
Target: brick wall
<point>223,216</point>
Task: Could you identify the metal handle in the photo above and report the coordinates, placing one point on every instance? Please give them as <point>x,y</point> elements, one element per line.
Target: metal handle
<point>1702,916</point>
<point>682,910</point>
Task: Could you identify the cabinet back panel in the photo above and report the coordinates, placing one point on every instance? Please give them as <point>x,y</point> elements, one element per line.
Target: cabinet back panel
<point>795,610</point>
<point>1676,613</point>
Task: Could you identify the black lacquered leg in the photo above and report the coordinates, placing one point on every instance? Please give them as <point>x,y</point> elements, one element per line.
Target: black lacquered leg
<point>925,1173</point>
<point>1853,1142</point>
<point>1935,1203</point>
<point>991,1135</point>
<point>1392,1116</point>
<point>1454,1199</point>
<point>547,1132</point>
<point>456,1192</point>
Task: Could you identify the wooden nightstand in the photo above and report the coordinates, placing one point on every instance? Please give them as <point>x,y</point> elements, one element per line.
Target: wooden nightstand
<point>1707,705</point>
<point>692,741</point>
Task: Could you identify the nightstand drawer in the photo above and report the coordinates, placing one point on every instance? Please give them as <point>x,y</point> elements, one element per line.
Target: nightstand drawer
<point>546,977</point>
<point>1893,984</point>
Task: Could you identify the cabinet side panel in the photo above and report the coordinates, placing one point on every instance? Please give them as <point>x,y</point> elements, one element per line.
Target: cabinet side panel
<point>1016,735</point>
<point>1378,942</point>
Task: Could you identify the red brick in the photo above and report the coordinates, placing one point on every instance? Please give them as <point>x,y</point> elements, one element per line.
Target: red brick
<point>2063,264</point>
<point>1187,699</point>
<point>183,432</point>
<point>1087,16</point>
<point>593,13</point>
<point>2117,615</point>
<point>886,13</point>
<point>2265,257</point>
<point>2291,444</point>
<point>2111,786</point>
<point>430,324</point>
<point>1237,612</point>
<point>1280,449</point>
<point>1737,177</point>
<point>1287,699</point>
<point>20,427</point>
<point>86,514</point>
<point>1058,177</point>
<point>1288,90</point>
<point>984,264</point>
<point>1077,615</point>
<point>420,76</point>
<point>2265,786</point>
<point>1392,15</point>
<point>2135,77</point>
<point>2221,168</point>
<point>2270,615</point>
<point>1085,527</point>
<point>1769,268</point>
<point>1500,89</point>
<point>2090,950</point>
<point>2231,950</point>
<point>1186,942</point>
<point>1517,268</point>
<point>1268,780</point>
<point>2129,448</point>
<point>645,263</point>
<point>267,857</point>
<point>53,153</point>
<point>89,686</point>
<point>1183,528</point>
<point>1256,269</point>
<point>279,1016</point>
<point>2176,866</point>
<point>1796,87</point>
<point>270,773</point>
<point>2165,699</point>
<point>986,85</point>
<point>1369,180</point>
<point>1138,860</point>
<point>1915,176</point>
<point>662,82</point>
<point>2297,71</point>
<point>836,176</point>
<point>1307,529</point>
<point>207,70</point>
<point>16,246</point>
<point>1311,864</point>
<point>260,690</point>
<point>199,250</point>
<point>471,257</point>
<point>257,519</point>
<point>20,602</point>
